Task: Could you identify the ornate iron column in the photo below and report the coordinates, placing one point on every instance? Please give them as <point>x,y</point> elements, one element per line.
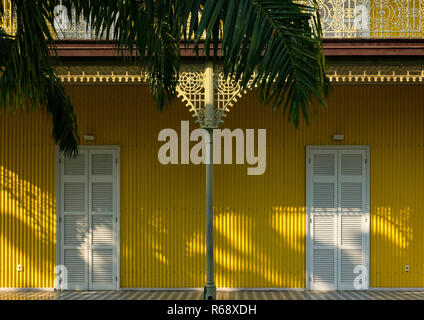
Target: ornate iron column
<point>208,97</point>
<point>210,288</point>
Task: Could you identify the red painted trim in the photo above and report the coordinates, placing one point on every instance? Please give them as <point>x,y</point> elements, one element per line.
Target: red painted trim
<point>81,49</point>
<point>373,47</point>
<point>98,49</point>
<point>332,47</point>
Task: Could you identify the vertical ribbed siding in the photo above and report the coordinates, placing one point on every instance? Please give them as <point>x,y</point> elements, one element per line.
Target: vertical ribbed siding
<point>259,220</point>
<point>27,202</point>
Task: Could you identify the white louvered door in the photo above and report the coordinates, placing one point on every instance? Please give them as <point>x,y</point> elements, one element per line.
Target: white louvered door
<point>102,220</point>
<point>89,219</point>
<point>337,193</point>
<point>74,220</point>
<point>323,220</point>
<point>352,216</point>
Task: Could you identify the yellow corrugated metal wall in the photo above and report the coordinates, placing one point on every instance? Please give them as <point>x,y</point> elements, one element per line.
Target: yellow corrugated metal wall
<point>27,201</point>
<point>259,220</point>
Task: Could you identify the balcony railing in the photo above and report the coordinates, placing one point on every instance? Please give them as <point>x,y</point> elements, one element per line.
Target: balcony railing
<point>372,18</point>
<point>340,19</point>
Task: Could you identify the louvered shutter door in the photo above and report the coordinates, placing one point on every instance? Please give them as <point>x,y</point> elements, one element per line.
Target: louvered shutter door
<point>102,220</point>
<point>323,225</point>
<point>74,226</point>
<point>352,208</point>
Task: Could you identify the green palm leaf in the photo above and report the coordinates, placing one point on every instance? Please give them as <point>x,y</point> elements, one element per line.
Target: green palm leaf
<point>277,41</point>
<point>144,29</point>
<point>27,76</point>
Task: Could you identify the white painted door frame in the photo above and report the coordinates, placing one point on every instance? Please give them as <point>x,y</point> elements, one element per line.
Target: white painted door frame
<point>309,205</point>
<point>59,213</point>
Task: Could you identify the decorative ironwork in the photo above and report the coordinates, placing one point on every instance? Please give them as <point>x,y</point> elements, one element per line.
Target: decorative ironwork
<point>65,28</point>
<point>227,91</point>
<point>8,22</point>
<point>340,19</point>
<point>191,90</point>
<point>379,77</point>
<point>98,77</point>
<point>372,18</point>
<point>70,29</point>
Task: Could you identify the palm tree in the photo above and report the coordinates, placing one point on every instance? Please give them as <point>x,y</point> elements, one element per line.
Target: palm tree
<point>277,40</point>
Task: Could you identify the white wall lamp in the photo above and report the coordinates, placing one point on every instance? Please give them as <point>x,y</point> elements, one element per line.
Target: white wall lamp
<point>88,137</point>
<point>338,137</point>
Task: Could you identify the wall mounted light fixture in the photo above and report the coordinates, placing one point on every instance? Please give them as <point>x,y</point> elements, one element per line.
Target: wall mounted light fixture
<point>88,137</point>
<point>338,137</point>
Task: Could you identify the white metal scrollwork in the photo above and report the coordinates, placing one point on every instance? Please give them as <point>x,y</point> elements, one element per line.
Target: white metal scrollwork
<point>372,18</point>
<point>191,89</point>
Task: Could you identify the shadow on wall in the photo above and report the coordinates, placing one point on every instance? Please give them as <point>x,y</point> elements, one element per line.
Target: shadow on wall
<point>246,250</point>
<point>394,245</point>
<point>27,232</point>
<point>164,244</point>
<point>260,249</point>
<point>254,247</point>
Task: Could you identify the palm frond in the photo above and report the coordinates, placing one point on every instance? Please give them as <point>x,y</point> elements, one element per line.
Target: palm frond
<point>6,42</point>
<point>27,76</point>
<point>278,40</point>
<point>145,30</point>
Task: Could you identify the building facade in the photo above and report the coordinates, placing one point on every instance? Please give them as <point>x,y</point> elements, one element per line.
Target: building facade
<point>340,198</point>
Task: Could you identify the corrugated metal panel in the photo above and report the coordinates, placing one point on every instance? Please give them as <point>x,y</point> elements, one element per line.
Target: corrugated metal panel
<point>259,220</point>
<point>27,202</point>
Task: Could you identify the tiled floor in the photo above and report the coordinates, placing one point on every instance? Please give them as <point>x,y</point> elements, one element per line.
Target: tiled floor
<point>221,295</point>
